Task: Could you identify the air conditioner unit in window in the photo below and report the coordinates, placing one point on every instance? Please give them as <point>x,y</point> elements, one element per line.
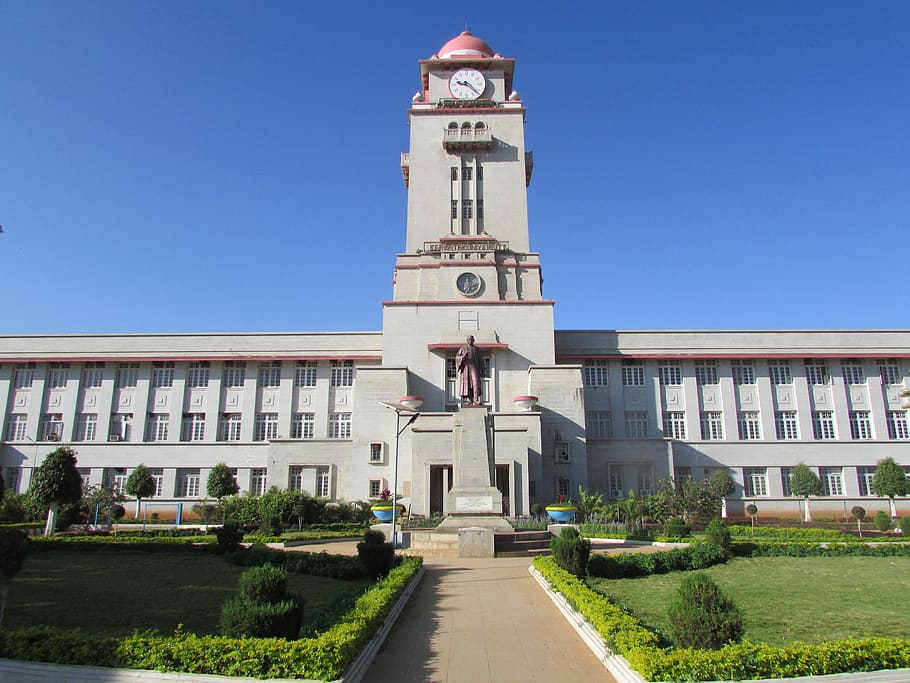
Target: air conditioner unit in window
<point>114,437</point>
<point>53,437</point>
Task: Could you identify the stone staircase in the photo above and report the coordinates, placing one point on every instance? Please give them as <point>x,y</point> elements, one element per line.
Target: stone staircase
<point>522,544</point>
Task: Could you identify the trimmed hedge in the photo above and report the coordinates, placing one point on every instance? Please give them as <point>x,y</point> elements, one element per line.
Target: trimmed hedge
<point>317,564</point>
<point>804,549</point>
<point>630,565</point>
<point>625,636</point>
<point>324,657</point>
<point>786,534</point>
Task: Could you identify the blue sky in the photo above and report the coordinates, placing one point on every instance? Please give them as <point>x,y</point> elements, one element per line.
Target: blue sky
<point>233,166</point>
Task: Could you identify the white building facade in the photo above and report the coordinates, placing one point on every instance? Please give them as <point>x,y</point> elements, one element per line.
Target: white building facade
<point>618,411</point>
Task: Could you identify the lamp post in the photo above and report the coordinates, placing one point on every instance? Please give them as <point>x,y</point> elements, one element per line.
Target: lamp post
<point>407,406</point>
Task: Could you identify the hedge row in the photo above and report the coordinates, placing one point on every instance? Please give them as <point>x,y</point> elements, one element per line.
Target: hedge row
<point>317,564</point>
<point>767,533</point>
<point>625,636</point>
<point>804,549</point>
<point>629,565</point>
<point>323,657</point>
<point>101,543</point>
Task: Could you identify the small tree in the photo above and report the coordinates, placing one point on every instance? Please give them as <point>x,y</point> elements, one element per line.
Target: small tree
<point>140,484</point>
<point>721,484</point>
<point>890,480</point>
<point>752,511</point>
<point>703,617</point>
<point>804,483</point>
<point>859,514</point>
<point>13,546</point>
<point>56,482</point>
<point>221,484</point>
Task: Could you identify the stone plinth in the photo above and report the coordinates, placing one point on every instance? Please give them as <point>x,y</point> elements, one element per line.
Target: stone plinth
<point>476,542</point>
<point>473,492</point>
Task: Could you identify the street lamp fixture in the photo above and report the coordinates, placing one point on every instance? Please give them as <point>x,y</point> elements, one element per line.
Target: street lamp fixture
<point>406,407</point>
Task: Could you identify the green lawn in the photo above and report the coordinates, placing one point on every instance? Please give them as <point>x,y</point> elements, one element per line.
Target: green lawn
<point>789,599</point>
<point>118,592</point>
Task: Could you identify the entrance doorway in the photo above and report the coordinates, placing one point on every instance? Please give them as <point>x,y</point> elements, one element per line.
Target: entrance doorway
<point>440,485</point>
<point>502,484</point>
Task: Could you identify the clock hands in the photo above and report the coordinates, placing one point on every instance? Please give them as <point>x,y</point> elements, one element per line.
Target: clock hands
<point>466,83</point>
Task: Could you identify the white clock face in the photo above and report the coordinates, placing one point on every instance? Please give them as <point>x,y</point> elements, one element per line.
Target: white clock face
<point>467,84</point>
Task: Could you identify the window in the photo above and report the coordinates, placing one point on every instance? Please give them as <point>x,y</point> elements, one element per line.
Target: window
<point>127,375</point>
<point>51,427</point>
<point>157,427</point>
<point>375,488</point>
<point>669,373</point>
<point>342,373</point>
<point>295,478</point>
<point>162,374</point>
<point>897,424</point>
<point>600,425</point>
<point>468,173</point>
<point>92,375</point>
<point>852,370</point>
<point>633,373</point>
<point>234,373</point>
<point>270,374</point>
<point>479,208</point>
<point>616,484</point>
<point>193,427</point>
<point>645,482</point>
<point>231,424</point>
<point>563,488</point>
<point>890,371</point>
<point>712,426</point>
<point>17,427</point>
<point>303,426</point>
<point>158,480</point>
<point>756,481</point>
<point>785,425</point>
<point>121,427</point>
<point>636,424</point>
<point>13,475</point>
<point>779,370</point>
<point>24,376</point>
<point>561,451</point>
<point>675,425</point>
<point>865,476</point>
<point>743,372</point>
<point>860,426</point>
<point>187,483</point>
<point>823,424</point>
<point>87,427</point>
<point>749,426</point>
<point>322,482</point>
<point>454,209</point>
<point>57,375</point>
<point>340,426</point>
<point>376,450</point>
<point>816,371</point>
<point>198,374</point>
<point>454,173</point>
<point>266,426</point>
<point>467,208</point>
<point>706,371</point>
<point>305,376</point>
<point>117,480</point>
<point>257,481</point>
<point>595,373</point>
<point>832,480</point>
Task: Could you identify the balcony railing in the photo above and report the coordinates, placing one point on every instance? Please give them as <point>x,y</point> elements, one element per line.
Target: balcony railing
<point>458,139</point>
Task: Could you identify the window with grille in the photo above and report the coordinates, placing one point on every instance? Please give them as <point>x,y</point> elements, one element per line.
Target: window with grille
<point>636,423</point>
<point>257,481</point>
<point>270,374</point>
<point>865,475</point>
<point>198,374</point>
<point>616,484</point>
<point>375,488</point>
<point>58,375</point>
<point>87,427</point>
<point>305,375</point>
<point>231,424</point>
<point>890,372</point>
<point>24,376</point>
<point>266,426</point>
<point>376,452</point>
<point>561,451</point>
<point>193,427</point>
<point>743,372</point>
<point>234,374</point>
<point>303,426</point>
<point>157,427</point>
<point>756,481</point>
<point>322,482</point>
<point>897,424</point>
<point>467,208</point>
<point>712,426</point>
<point>816,371</point>
<point>832,480</point>
<point>669,373</point>
<point>600,425</point>
<point>127,375</point>
<point>779,371</point>
<point>342,373</point>
<point>162,374</point>
<point>675,425</point>
<point>595,373</point>
<point>749,426</point>
<point>51,427</point>
<point>92,375</point>
<point>785,425</point>
<point>340,426</point>
<point>823,424</point>
<point>17,427</point>
<point>852,371</point>
<point>563,488</point>
<point>706,371</point>
<point>633,373</point>
<point>860,425</point>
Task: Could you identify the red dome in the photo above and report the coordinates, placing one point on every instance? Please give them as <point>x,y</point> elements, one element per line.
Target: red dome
<point>465,45</point>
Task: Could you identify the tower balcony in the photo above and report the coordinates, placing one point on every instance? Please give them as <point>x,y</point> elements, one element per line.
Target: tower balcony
<point>467,139</point>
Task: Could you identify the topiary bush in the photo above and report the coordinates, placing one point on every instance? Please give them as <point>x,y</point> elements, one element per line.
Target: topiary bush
<point>263,609</point>
<point>265,584</point>
<point>571,551</point>
<point>229,537</point>
<point>676,527</point>
<point>375,555</point>
<point>719,534</point>
<point>701,616</point>
<point>882,521</point>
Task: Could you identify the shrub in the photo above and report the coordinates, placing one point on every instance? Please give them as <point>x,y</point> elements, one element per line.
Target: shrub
<point>571,551</point>
<point>229,537</point>
<point>718,534</point>
<point>241,618</point>
<point>630,565</point>
<point>882,521</point>
<point>375,555</point>
<point>676,527</point>
<point>702,617</point>
<point>905,526</point>
<point>265,584</point>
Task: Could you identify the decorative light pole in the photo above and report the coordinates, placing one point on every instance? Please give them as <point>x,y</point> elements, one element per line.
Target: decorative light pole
<point>407,406</point>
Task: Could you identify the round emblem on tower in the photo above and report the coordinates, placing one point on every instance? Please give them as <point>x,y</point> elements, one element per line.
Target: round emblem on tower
<point>469,284</point>
<point>467,84</point>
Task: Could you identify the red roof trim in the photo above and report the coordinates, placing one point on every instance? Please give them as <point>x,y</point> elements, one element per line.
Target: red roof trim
<point>574,357</point>
<point>147,359</point>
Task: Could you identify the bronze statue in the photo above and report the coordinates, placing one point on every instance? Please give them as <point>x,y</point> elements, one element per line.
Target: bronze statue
<point>469,364</point>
